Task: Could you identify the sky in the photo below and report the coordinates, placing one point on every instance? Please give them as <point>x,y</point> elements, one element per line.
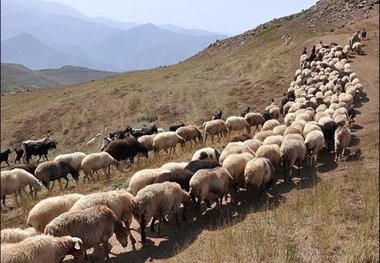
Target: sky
<point>222,16</point>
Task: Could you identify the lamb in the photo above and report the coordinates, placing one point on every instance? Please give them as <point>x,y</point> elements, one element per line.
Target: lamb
<point>259,172</point>
<point>119,201</point>
<point>173,166</point>
<point>165,141</point>
<point>291,151</point>
<point>74,159</point>
<point>237,123</point>
<point>197,165</point>
<point>143,178</point>
<point>156,201</point>
<point>209,185</point>
<point>41,249</point>
<point>253,144</point>
<point>342,137</point>
<point>4,156</point>
<point>48,209</point>
<point>271,152</point>
<point>94,226</point>
<point>15,235</point>
<point>314,142</point>
<point>269,125</point>
<point>214,127</point>
<point>14,181</point>
<point>189,133</point>
<point>235,165</point>
<point>126,149</point>
<point>55,170</point>
<point>274,139</point>
<point>254,120</point>
<point>96,161</point>
<point>206,153</point>
<point>261,135</point>
<point>234,147</point>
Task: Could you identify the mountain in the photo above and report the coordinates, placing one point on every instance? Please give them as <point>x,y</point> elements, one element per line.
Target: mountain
<point>16,77</point>
<point>192,32</point>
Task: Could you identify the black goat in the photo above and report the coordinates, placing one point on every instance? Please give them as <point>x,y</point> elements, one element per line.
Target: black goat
<point>4,156</point>
<point>143,131</point>
<point>217,116</point>
<point>119,134</point>
<point>19,153</point>
<point>175,127</point>
<point>40,149</point>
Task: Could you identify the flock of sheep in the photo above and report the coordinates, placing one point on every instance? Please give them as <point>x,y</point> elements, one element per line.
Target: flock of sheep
<point>317,113</point>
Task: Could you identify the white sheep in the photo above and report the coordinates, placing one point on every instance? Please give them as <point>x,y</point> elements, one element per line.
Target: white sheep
<point>292,151</point>
<point>172,166</point>
<point>275,112</point>
<point>15,235</point>
<point>165,141</point>
<point>271,152</point>
<point>280,129</point>
<point>147,141</point>
<point>274,139</point>
<point>96,161</point>
<point>94,226</point>
<point>119,201</point>
<point>206,153</point>
<point>74,159</point>
<point>234,147</point>
<point>214,127</point>
<point>261,135</point>
<point>310,126</point>
<point>342,137</point>
<point>143,178</point>
<point>190,133</point>
<point>258,172</point>
<point>15,181</point>
<point>314,142</point>
<point>41,249</point>
<point>269,125</point>
<point>237,123</point>
<point>357,47</point>
<point>235,165</point>
<point>157,201</point>
<point>210,184</point>
<point>48,209</point>
<point>253,144</point>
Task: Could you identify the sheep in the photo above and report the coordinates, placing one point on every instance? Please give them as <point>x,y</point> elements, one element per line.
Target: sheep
<point>19,153</point>
<point>235,165</point>
<point>40,148</point>
<point>214,127</point>
<point>270,125</point>
<point>4,156</point>
<point>53,170</point>
<point>310,126</point>
<point>14,181</point>
<point>147,141</point>
<point>261,135</point>
<point>234,147</point>
<point>156,201</point>
<point>189,133</point>
<point>271,152</point>
<point>15,235</point>
<point>96,161</point>
<point>206,153</point>
<point>143,178</point>
<point>48,209</point>
<point>241,138</point>
<point>274,139</point>
<point>291,151</point>
<point>126,149</point>
<point>209,185</point>
<point>175,127</point>
<point>292,129</point>
<point>280,129</point>
<point>196,165</point>
<point>357,47</point>
<point>119,201</point>
<point>217,116</point>
<point>74,159</point>
<point>253,144</point>
<point>182,177</point>
<point>173,166</point>
<point>275,112</point>
<point>41,249</point>
<point>342,137</point>
<point>254,120</point>
<point>165,141</point>
<point>259,172</point>
<point>328,127</point>
<point>314,142</point>
<point>289,118</point>
<point>94,226</point>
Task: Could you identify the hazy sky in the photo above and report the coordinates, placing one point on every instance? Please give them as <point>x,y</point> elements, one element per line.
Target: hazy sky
<point>230,17</point>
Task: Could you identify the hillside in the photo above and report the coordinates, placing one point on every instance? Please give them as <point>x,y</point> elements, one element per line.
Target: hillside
<point>328,214</point>
<point>15,77</point>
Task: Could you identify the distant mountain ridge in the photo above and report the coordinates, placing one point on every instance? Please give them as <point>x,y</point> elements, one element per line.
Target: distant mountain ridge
<point>67,37</point>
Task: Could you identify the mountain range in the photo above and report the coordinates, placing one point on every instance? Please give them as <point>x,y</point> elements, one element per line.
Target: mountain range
<point>41,34</point>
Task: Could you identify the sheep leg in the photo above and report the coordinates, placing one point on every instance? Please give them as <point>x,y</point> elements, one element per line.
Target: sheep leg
<point>142,229</point>
<point>152,224</point>
<point>16,195</point>
<point>67,182</point>
<point>184,214</point>
<point>7,162</point>
<point>177,221</point>
<point>105,172</point>
<point>159,226</point>
<point>59,182</point>
<point>52,185</point>
<point>106,251</point>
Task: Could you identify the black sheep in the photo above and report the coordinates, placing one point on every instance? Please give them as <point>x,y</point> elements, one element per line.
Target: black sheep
<point>4,156</point>
<point>40,149</point>
<point>196,165</point>
<point>328,132</point>
<point>266,115</point>
<point>29,167</point>
<point>175,127</point>
<point>126,149</point>
<point>182,177</point>
<point>19,153</point>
